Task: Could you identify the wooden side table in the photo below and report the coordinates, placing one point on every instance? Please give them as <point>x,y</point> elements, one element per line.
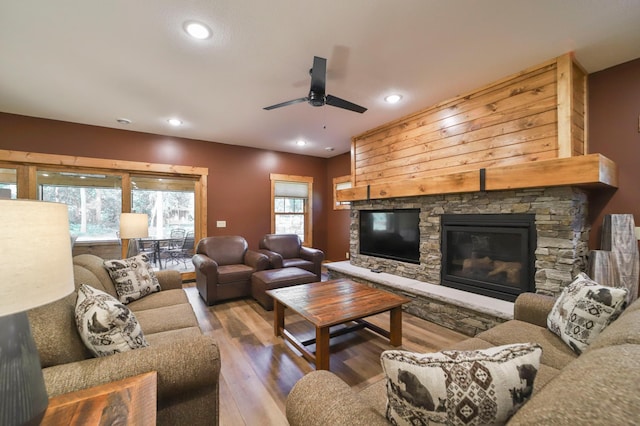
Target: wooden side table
<point>131,401</point>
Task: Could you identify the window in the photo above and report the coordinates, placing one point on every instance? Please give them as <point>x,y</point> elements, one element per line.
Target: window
<point>8,186</point>
<point>94,201</point>
<point>291,206</point>
<point>169,202</point>
<point>342,182</point>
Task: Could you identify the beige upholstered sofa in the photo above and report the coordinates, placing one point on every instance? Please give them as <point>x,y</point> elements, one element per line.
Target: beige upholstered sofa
<point>187,362</point>
<point>601,386</point>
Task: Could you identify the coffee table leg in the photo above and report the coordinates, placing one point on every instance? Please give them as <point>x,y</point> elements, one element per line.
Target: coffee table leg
<point>395,328</point>
<point>278,317</point>
<point>322,348</point>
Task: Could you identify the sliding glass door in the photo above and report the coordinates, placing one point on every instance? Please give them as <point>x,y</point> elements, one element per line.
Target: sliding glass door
<point>169,202</point>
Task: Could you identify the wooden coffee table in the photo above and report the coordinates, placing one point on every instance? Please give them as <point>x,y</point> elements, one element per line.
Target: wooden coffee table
<point>330,303</point>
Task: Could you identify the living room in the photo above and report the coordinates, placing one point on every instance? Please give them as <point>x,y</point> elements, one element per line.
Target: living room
<point>238,188</point>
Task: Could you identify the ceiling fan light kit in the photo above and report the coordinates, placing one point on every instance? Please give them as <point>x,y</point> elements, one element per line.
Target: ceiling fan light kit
<point>317,96</point>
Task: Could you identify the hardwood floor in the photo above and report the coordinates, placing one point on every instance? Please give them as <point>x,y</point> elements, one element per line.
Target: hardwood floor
<point>259,369</point>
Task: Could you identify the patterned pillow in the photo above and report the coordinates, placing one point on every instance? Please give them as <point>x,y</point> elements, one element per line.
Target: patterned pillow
<point>133,278</point>
<point>105,325</point>
<point>459,387</point>
<point>583,310</point>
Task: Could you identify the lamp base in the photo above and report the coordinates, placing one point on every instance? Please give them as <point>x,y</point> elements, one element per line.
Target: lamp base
<point>23,396</point>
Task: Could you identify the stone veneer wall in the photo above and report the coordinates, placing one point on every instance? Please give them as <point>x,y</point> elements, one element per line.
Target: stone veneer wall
<point>463,320</point>
<point>561,226</point>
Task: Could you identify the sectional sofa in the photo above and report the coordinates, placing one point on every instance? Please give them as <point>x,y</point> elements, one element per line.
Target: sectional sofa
<point>600,386</point>
<point>187,362</point>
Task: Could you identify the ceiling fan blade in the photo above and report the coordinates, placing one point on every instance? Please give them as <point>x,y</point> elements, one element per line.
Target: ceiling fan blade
<point>341,103</point>
<point>318,75</point>
<point>283,104</point>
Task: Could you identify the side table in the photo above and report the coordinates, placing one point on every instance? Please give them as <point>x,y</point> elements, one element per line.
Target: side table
<point>131,401</point>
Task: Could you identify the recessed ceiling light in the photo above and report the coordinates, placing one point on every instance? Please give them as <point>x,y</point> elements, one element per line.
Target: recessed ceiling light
<point>330,148</point>
<point>175,122</point>
<point>301,142</point>
<point>392,99</point>
<point>123,121</point>
<point>197,30</point>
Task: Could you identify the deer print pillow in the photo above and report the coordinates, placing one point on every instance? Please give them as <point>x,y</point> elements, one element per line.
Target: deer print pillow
<point>106,326</point>
<point>133,278</point>
<point>482,387</point>
<point>583,310</point>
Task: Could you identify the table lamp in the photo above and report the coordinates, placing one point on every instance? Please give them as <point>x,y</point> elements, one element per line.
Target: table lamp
<point>132,225</point>
<point>35,269</point>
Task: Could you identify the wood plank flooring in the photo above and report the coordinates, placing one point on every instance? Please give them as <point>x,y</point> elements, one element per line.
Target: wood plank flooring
<point>259,369</point>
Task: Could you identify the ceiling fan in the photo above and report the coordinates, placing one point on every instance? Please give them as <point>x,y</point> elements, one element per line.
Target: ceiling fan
<point>317,96</point>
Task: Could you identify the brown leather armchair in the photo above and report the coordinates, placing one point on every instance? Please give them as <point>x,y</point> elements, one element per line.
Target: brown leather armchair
<point>286,250</point>
<point>224,266</point>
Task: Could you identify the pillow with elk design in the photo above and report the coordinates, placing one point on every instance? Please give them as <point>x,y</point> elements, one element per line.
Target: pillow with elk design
<point>481,387</point>
<point>105,325</point>
<point>583,310</point>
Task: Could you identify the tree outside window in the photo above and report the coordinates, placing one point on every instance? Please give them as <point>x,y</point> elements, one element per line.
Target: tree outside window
<point>291,198</point>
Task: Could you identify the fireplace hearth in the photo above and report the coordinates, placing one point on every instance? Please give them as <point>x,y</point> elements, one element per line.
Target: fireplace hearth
<point>489,254</point>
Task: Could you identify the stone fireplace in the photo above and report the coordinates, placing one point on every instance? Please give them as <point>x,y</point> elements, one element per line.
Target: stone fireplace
<point>560,233</point>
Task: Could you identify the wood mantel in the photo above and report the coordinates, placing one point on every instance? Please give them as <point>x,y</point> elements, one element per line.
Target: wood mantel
<point>592,170</point>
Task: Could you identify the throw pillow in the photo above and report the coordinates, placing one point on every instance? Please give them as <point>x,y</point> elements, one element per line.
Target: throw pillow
<point>133,278</point>
<point>480,387</point>
<point>106,326</point>
<point>583,310</point>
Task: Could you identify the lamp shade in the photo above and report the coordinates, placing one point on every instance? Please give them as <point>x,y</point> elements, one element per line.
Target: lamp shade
<point>134,225</point>
<point>35,265</point>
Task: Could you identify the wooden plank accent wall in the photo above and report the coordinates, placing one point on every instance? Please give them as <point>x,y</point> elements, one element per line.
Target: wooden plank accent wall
<point>538,114</point>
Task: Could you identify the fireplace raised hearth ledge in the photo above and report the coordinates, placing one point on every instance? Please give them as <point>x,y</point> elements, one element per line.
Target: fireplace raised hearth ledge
<point>458,310</point>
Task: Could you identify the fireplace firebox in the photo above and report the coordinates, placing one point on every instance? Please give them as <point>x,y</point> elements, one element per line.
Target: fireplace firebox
<point>489,254</point>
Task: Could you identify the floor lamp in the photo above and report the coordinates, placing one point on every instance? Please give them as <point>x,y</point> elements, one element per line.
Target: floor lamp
<point>35,269</point>
<point>132,225</point>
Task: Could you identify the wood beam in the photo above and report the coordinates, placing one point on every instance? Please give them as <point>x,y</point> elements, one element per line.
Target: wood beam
<point>593,170</point>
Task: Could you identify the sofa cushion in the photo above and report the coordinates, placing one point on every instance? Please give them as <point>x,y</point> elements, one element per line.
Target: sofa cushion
<point>132,277</point>
<point>159,300</point>
<point>89,269</point>
<point>105,325</point>
<point>583,310</point>
<point>167,318</point>
<point>555,353</point>
<point>625,329</point>
<point>459,387</point>
<point>598,388</point>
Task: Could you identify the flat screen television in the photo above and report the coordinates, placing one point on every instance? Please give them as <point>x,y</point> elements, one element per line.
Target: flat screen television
<point>391,234</point>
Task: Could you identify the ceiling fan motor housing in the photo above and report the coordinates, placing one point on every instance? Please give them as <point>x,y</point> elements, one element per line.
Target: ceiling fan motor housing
<point>316,99</point>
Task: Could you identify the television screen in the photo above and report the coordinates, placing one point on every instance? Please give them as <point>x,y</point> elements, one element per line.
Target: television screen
<point>391,234</point>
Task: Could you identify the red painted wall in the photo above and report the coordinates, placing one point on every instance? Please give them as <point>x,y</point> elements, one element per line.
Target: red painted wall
<point>239,187</point>
<point>238,184</point>
<point>614,110</point>
<point>338,221</point>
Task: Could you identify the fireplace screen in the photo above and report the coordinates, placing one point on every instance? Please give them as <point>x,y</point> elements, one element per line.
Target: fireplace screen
<point>491,255</point>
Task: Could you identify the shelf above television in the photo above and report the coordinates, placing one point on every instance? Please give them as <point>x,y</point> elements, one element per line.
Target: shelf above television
<point>590,171</point>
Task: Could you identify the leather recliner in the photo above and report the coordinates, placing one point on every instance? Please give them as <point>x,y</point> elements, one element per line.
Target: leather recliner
<point>286,250</point>
<point>224,266</point>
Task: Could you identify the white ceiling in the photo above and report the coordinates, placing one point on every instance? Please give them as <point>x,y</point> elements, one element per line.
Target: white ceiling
<point>93,61</point>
